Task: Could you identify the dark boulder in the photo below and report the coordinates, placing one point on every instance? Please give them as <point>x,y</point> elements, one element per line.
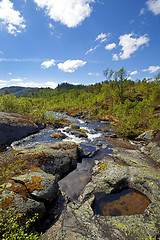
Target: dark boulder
<point>14,127</point>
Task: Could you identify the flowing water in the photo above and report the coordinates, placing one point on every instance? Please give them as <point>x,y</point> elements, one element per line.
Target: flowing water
<point>96,139</point>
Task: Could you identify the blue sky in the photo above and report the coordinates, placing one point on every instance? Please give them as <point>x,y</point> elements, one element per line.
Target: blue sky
<point>46,42</point>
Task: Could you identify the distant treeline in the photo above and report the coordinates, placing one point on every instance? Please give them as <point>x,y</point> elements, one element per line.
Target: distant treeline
<point>133,106</point>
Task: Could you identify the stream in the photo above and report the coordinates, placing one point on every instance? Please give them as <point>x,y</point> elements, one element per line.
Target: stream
<point>95,142</point>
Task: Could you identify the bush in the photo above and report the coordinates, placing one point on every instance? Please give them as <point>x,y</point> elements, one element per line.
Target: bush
<point>12,229</point>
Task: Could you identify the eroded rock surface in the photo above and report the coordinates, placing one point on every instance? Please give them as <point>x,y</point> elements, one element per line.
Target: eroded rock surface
<point>56,158</point>
<point>124,168</point>
<point>29,192</point>
<point>14,127</point>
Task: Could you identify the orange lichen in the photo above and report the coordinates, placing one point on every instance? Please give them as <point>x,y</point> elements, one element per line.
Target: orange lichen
<point>18,188</point>
<point>33,169</point>
<point>6,202</point>
<point>35,185</point>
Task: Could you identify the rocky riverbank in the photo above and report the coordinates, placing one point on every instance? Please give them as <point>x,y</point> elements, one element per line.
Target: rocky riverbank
<point>126,167</point>
<point>15,126</point>
<point>119,165</point>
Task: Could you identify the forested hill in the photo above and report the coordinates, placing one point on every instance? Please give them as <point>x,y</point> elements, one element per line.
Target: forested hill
<point>49,92</point>
<point>17,91</point>
<point>133,106</point>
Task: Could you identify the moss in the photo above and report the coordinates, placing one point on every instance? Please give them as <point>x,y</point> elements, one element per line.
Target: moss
<point>102,166</point>
<point>56,135</point>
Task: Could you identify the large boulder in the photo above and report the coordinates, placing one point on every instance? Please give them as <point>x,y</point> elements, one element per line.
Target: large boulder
<point>56,158</point>
<point>14,127</point>
<point>21,204</point>
<point>29,192</point>
<point>38,184</point>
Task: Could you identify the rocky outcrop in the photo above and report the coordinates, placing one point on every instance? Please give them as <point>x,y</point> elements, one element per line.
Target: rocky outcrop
<point>33,191</point>
<point>14,127</point>
<point>56,158</point>
<point>29,192</point>
<point>124,168</point>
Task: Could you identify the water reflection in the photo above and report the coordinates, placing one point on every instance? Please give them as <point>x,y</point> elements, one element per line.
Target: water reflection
<point>126,202</point>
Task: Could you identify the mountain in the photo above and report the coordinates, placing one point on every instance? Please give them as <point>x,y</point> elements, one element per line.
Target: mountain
<point>49,92</point>
<point>17,91</point>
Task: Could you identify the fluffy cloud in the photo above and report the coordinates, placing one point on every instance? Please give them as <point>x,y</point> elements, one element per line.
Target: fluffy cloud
<point>16,80</point>
<point>110,46</point>
<point>152,69</point>
<point>11,18</point>
<point>50,84</point>
<point>70,13</point>
<point>130,44</point>
<point>102,37</point>
<point>115,57</point>
<point>71,65</point>
<point>21,83</point>
<point>154,6</point>
<point>134,72</point>
<point>92,49</point>
<point>48,64</point>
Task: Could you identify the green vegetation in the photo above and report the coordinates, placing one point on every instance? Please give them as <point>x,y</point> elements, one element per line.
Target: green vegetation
<point>17,91</point>
<point>11,226</point>
<point>133,107</point>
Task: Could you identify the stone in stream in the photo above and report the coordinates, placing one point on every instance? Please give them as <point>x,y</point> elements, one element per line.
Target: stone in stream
<point>14,127</point>
<point>56,158</point>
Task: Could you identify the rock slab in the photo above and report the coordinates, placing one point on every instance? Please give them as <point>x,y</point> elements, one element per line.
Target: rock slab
<point>14,127</point>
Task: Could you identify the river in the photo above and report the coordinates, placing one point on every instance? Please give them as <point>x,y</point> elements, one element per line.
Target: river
<point>95,142</point>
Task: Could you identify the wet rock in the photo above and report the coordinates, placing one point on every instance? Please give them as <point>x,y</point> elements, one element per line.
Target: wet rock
<point>79,133</point>
<point>14,127</point>
<point>58,135</point>
<point>124,168</point>
<point>56,158</point>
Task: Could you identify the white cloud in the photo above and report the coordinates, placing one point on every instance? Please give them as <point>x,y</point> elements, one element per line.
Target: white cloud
<point>130,44</point>
<point>154,6</point>
<point>16,80</point>
<point>51,26</point>
<point>70,13</point>
<point>48,64</point>
<point>71,65</point>
<point>94,74</point>
<point>50,84</point>
<point>21,83</point>
<point>102,37</point>
<point>9,73</point>
<point>110,46</point>
<point>152,69</point>
<point>11,18</point>
<point>20,60</point>
<point>134,72</point>
<point>142,11</point>
<point>115,57</point>
<point>92,49</point>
